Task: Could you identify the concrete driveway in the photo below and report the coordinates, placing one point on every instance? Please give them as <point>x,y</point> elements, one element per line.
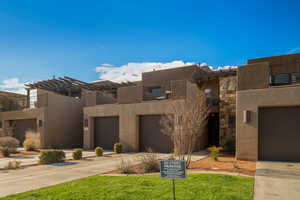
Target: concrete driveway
<point>277,181</point>
<point>30,178</point>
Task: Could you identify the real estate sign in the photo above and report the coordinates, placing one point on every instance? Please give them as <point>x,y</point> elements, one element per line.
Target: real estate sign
<point>173,169</point>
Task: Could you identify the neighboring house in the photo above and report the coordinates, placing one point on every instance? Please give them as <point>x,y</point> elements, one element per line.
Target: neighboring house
<point>54,109</point>
<point>12,101</point>
<point>134,118</point>
<point>268,109</point>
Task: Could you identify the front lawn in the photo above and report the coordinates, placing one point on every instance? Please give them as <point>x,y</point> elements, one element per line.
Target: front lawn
<point>196,187</point>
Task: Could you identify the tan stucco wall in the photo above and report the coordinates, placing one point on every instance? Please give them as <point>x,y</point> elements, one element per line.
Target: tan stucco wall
<point>251,100</point>
<point>128,119</point>
<point>131,94</point>
<point>63,121</point>
<point>253,76</point>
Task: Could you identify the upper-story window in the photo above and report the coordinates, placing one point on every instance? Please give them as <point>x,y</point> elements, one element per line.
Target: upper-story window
<point>155,91</point>
<point>296,78</point>
<point>33,98</point>
<point>281,79</point>
<point>285,79</point>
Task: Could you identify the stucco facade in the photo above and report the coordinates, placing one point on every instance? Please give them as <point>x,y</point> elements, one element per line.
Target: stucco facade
<point>175,85</point>
<point>254,92</point>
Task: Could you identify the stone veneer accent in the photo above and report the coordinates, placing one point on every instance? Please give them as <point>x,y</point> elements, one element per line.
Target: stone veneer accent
<point>227,107</point>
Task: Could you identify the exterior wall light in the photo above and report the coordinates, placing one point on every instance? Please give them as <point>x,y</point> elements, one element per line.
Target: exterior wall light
<point>246,116</point>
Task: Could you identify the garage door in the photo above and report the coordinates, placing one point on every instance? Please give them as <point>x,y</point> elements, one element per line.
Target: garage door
<point>279,137</point>
<point>21,126</point>
<point>106,132</point>
<point>151,135</point>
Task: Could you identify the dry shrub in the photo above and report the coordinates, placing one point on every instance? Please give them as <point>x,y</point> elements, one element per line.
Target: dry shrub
<point>13,165</point>
<point>125,167</point>
<point>32,141</point>
<point>150,162</point>
<point>186,123</point>
<point>8,145</point>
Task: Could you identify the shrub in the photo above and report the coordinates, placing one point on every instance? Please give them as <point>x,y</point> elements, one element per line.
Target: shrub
<point>13,165</point>
<point>125,167</point>
<point>150,162</point>
<point>77,154</point>
<point>214,152</point>
<point>32,141</point>
<point>8,145</point>
<point>99,151</point>
<point>229,146</point>
<point>52,156</point>
<point>118,148</point>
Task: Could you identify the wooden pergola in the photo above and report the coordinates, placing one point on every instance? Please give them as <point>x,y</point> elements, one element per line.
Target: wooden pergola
<point>72,87</point>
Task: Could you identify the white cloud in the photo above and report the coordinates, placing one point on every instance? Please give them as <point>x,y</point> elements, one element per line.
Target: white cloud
<point>13,85</point>
<point>226,67</point>
<point>133,71</point>
<point>294,50</point>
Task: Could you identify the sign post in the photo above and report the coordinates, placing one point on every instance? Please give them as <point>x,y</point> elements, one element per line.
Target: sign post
<point>173,169</point>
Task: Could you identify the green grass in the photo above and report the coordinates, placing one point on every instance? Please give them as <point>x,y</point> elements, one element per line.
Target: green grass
<point>195,187</point>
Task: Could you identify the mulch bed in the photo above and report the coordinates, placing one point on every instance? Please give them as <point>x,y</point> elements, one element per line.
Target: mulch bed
<point>21,154</point>
<point>226,163</point>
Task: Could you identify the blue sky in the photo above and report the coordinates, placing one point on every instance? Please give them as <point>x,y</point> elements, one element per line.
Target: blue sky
<point>40,39</point>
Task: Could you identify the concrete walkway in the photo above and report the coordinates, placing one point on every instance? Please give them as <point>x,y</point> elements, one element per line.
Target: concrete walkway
<point>34,159</point>
<point>277,181</point>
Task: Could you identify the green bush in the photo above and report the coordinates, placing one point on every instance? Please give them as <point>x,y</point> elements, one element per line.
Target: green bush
<point>99,151</point>
<point>77,154</point>
<point>52,156</point>
<point>229,146</point>
<point>214,152</point>
<point>8,145</point>
<point>118,148</point>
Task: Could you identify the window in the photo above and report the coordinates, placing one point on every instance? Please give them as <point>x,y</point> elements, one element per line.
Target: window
<point>281,79</point>
<point>155,91</point>
<point>296,78</point>
<point>33,98</point>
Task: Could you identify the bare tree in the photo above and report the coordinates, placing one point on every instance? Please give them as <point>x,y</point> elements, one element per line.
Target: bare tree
<point>185,124</point>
